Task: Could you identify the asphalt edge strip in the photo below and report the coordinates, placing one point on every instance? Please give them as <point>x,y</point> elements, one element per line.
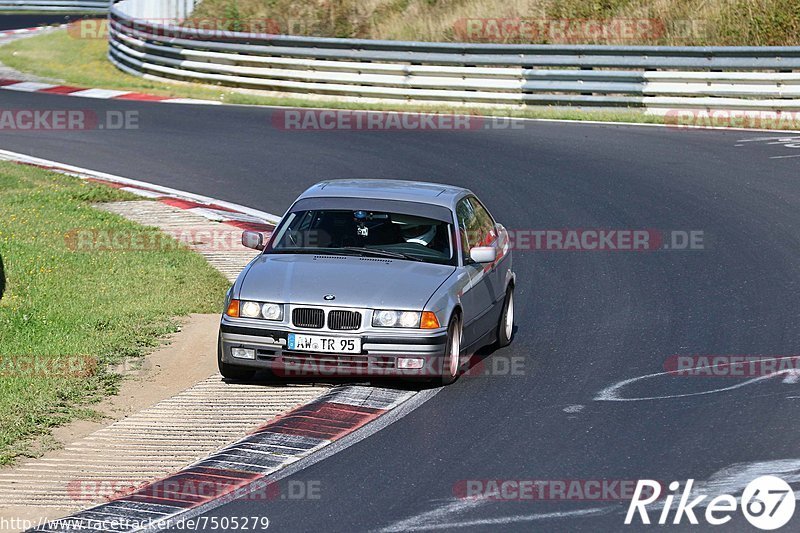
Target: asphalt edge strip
<point>242,469</point>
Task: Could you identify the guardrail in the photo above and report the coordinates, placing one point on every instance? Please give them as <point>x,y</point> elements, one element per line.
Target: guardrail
<point>658,78</point>
<point>57,6</point>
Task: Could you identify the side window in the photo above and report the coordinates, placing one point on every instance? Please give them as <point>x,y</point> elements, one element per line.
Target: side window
<point>485,225</point>
<point>466,223</point>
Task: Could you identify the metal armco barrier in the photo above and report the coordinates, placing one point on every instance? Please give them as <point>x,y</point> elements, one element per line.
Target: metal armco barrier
<point>658,78</point>
<point>56,6</point>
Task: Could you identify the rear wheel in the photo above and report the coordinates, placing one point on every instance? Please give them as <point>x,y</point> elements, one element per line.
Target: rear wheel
<point>229,371</point>
<point>505,329</point>
<point>451,363</point>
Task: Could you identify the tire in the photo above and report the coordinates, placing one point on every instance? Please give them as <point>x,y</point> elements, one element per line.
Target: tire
<point>505,329</point>
<point>451,362</point>
<point>233,372</point>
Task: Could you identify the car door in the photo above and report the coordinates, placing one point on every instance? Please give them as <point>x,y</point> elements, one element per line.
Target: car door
<point>477,297</point>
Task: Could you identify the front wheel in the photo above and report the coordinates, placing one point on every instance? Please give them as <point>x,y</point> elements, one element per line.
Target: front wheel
<point>229,371</point>
<point>451,362</point>
<point>505,329</point>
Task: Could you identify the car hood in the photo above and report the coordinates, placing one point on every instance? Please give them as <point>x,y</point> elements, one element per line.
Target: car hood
<point>355,281</point>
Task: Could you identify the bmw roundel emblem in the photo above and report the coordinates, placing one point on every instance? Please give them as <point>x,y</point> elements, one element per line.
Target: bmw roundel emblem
<point>329,297</point>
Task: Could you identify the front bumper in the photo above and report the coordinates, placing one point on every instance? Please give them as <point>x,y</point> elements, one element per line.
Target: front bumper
<point>379,352</point>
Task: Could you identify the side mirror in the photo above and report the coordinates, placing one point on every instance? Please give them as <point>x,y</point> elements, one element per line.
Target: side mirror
<point>483,254</point>
<point>253,239</point>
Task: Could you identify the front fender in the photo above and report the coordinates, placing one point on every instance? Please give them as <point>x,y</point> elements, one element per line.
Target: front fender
<point>448,296</point>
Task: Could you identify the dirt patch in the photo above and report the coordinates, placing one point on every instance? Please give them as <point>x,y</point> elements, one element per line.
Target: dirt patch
<point>186,358</point>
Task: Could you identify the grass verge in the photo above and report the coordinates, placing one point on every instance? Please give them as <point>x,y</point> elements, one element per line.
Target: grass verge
<point>661,22</point>
<point>65,314</point>
<point>82,62</point>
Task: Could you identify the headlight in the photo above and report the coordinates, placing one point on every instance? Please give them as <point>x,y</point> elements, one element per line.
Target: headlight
<point>267,311</point>
<point>409,320</point>
<point>272,312</point>
<point>396,319</point>
<point>250,309</point>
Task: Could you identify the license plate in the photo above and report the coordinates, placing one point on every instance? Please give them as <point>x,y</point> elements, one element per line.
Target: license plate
<point>316,343</point>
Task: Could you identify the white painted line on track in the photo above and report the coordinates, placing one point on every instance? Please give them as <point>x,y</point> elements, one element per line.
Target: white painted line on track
<point>29,86</point>
<point>613,394</point>
<point>500,520</point>
<point>99,93</point>
<point>430,518</point>
<point>191,101</point>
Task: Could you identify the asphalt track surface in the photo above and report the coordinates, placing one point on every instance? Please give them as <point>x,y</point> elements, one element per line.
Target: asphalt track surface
<point>586,320</point>
<point>30,20</point>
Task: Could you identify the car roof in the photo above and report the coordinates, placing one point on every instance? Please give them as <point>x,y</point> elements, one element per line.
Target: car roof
<point>409,191</point>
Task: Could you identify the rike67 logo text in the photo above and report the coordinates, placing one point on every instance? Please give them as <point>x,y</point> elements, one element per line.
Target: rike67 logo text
<point>767,502</point>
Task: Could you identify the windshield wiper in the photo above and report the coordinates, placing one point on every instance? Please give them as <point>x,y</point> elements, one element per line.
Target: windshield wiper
<point>380,253</point>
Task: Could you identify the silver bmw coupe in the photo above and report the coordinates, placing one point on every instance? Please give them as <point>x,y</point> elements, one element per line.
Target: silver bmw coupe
<point>368,277</point>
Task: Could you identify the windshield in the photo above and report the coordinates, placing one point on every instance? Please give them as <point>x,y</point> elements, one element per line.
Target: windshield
<point>361,232</point>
